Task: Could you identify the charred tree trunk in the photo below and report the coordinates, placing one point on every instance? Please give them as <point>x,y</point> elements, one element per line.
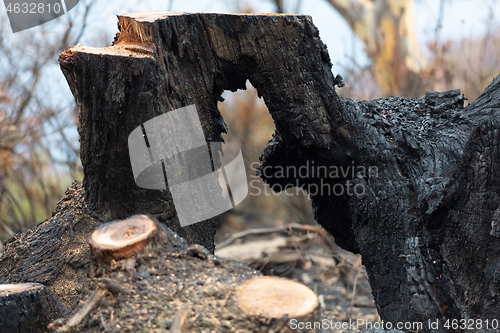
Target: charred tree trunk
<point>412,185</point>
<point>419,178</point>
<point>117,90</point>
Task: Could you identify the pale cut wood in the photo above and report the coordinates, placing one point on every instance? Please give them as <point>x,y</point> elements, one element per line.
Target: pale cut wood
<point>274,298</point>
<point>121,239</point>
<point>6,289</point>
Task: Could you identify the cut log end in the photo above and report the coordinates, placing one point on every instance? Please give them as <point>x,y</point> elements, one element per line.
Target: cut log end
<point>121,239</point>
<point>155,16</point>
<point>28,307</point>
<point>274,298</point>
<point>120,50</point>
<point>6,289</point>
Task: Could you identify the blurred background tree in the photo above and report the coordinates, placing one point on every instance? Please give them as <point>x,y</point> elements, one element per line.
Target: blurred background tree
<point>38,139</point>
<point>38,145</point>
<point>387,30</point>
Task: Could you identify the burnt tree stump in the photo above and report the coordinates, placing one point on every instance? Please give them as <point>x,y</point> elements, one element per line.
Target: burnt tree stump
<point>132,87</point>
<point>426,222</point>
<point>119,240</point>
<point>420,177</point>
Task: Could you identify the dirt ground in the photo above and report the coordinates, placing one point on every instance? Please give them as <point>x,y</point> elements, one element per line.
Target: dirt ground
<point>306,254</point>
<point>173,287</point>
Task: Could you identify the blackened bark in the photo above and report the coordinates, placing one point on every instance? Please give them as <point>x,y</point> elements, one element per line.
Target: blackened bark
<point>116,91</point>
<point>426,211</point>
<point>161,62</point>
<point>28,308</point>
<point>426,218</point>
<point>55,252</point>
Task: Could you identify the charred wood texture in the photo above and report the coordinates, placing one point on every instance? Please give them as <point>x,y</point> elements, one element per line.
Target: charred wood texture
<point>425,216</point>
<point>425,213</point>
<point>425,220</point>
<point>28,307</point>
<point>55,252</point>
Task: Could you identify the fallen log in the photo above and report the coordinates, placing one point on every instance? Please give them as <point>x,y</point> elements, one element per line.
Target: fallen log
<point>28,307</point>
<point>55,252</point>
